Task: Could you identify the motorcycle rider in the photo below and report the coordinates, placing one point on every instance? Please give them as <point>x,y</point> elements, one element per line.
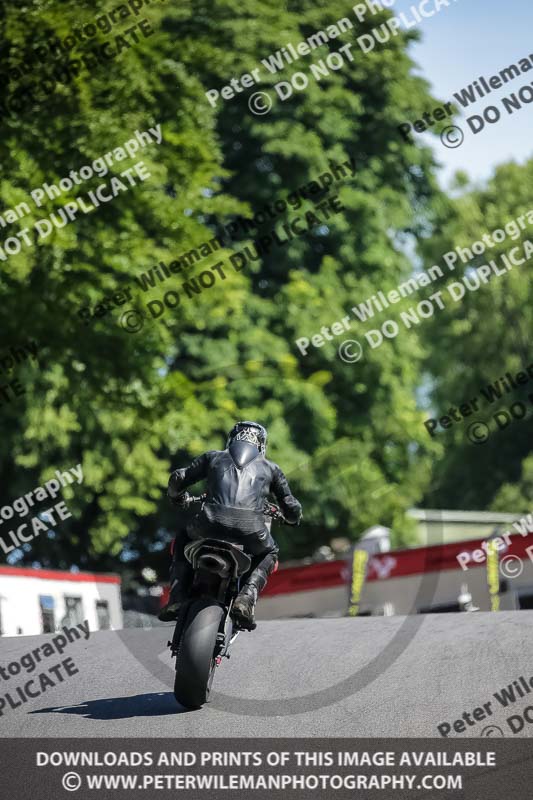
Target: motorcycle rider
<point>239,480</point>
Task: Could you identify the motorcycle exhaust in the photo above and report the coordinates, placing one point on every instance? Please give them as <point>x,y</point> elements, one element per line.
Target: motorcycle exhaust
<point>214,563</point>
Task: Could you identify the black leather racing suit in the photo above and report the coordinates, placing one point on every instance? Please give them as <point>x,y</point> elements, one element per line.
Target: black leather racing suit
<point>239,481</point>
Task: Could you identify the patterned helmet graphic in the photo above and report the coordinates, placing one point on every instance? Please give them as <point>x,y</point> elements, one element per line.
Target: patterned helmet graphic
<point>250,432</point>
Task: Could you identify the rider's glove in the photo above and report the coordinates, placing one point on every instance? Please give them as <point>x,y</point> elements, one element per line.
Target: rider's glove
<point>294,521</point>
<point>182,500</point>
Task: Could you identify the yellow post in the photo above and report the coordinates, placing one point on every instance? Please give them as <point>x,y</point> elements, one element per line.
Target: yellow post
<point>493,576</point>
<point>359,562</point>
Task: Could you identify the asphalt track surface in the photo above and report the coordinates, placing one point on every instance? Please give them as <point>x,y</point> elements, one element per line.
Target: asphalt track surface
<point>395,676</point>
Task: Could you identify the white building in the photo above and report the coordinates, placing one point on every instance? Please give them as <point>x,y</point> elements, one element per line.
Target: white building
<point>34,601</point>
<point>436,526</point>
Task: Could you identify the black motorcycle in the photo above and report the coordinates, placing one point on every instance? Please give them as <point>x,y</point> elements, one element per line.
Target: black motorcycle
<point>205,629</point>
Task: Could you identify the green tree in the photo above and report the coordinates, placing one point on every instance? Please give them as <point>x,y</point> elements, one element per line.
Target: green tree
<point>127,406</point>
<point>479,339</point>
<point>361,432</point>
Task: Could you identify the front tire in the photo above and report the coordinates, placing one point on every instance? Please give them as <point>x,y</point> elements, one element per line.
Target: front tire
<point>195,664</point>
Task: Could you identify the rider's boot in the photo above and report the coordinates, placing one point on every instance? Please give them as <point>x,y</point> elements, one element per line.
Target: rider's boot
<point>244,606</point>
<point>179,591</point>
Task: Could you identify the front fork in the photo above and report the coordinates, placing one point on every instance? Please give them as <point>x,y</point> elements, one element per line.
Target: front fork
<point>180,622</point>
<point>225,637</point>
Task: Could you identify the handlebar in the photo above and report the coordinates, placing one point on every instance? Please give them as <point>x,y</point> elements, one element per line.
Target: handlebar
<point>275,512</point>
<point>185,500</point>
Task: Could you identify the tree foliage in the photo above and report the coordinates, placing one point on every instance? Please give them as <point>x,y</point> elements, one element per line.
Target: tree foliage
<point>131,406</point>
<point>477,341</point>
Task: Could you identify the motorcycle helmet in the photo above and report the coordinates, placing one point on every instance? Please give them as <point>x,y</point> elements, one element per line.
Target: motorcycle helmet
<point>251,432</point>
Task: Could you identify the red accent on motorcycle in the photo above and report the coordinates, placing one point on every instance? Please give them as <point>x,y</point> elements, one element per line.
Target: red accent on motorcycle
<point>218,660</point>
